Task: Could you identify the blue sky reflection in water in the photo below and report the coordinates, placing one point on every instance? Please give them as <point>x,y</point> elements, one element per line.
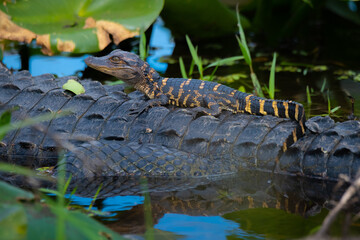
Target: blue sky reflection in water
<point>202,227</point>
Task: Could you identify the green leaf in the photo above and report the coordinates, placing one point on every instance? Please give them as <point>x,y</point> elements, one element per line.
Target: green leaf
<point>76,26</point>
<point>272,78</point>
<point>225,61</point>
<point>11,194</point>
<point>115,82</point>
<point>242,89</point>
<point>13,221</point>
<point>74,86</point>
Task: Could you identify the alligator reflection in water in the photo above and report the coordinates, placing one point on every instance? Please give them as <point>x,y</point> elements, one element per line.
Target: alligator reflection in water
<point>213,196</point>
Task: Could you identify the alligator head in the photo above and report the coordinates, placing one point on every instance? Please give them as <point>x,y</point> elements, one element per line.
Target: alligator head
<point>125,66</point>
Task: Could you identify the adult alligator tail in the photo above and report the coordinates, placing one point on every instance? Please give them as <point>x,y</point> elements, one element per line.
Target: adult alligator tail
<point>208,97</point>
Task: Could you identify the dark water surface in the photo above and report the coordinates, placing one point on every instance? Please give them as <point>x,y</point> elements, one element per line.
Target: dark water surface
<point>247,206</point>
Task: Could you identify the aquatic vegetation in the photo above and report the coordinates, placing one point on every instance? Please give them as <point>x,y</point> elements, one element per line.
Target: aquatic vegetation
<point>76,26</point>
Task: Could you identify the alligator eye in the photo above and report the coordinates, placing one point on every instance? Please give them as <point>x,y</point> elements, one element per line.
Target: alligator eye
<point>115,59</point>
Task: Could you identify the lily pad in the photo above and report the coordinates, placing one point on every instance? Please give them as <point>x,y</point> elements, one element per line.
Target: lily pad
<point>76,26</point>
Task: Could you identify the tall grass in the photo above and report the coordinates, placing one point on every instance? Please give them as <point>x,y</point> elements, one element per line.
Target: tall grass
<point>197,61</point>
<point>247,56</point>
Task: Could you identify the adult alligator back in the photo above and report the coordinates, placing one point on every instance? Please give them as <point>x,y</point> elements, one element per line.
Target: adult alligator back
<point>166,141</point>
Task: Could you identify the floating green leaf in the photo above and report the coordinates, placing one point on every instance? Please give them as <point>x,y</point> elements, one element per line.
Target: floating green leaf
<point>74,86</point>
<point>76,26</point>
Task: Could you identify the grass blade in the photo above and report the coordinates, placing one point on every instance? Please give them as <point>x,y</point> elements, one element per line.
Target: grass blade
<point>95,196</point>
<point>182,68</point>
<point>195,56</point>
<point>192,49</point>
<point>213,73</point>
<point>60,203</point>
<point>335,109</point>
<point>245,52</point>
<point>225,61</point>
<point>142,46</point>
<point>272,78</point>
<point>242,40</point>
<point>323,86</point>
<point>308,96</point>
<point>191,70</point>
<point>256,84</point>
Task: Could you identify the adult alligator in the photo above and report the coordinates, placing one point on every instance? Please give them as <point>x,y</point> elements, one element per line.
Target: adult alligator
<point>133,139</point>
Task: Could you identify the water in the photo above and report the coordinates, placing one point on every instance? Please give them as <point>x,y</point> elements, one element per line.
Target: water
<point>236,208</point>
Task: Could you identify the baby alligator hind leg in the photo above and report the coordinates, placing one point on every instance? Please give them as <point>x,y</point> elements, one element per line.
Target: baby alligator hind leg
<point>211,107</point>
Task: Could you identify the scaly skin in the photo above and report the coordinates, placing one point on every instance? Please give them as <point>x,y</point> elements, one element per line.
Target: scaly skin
<point>207,97</point>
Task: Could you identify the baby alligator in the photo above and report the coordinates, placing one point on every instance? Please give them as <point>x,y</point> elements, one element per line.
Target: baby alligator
<point>207,97</point>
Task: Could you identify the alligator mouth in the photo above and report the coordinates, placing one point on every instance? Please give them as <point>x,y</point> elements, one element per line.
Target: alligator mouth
<point>92,62</point>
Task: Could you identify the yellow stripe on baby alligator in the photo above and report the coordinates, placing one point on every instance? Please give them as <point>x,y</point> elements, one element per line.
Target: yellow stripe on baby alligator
<point>284,146</point>
<point>182,84</point>
<point>233,93</point>
<point>248,103</point>
<point>262,103</point>
<point>185,99</point>
<point>297,112</point>
<point>302,126</point>
<point>181,91</point>
<point>286,106</point>
<point>163,83</point>
<point>216,87</point>
<point>188,81</point>
<point>211,104</point>
<point>275,108</point>
<point>202,85</point>
<point>294,135</point>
